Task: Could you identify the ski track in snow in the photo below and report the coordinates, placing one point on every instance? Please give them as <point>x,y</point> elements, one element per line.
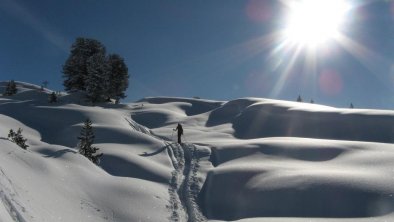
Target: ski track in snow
<point>8,198</point>
<point>176,206</point>
<point>184,184</point>
<point>190,186</point>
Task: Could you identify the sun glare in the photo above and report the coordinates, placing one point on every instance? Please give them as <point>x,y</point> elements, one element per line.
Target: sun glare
<point>312,22</point>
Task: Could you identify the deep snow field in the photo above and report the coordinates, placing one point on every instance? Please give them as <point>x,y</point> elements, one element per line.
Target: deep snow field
<point>248,159</point>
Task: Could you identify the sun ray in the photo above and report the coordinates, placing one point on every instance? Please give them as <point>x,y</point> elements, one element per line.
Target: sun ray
<point>368,58</point>
<point>282,79</point>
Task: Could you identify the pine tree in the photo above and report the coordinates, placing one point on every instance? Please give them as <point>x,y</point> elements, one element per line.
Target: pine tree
<point>86,140</point>
<point>97,80</point>
<point>10,88</point>
<point>299,99</point>
<point>118,77</point>
<point>75,68</point>
<point>312,101</point>
<point>52,97</point>
<point>351,106</point>
<point>17,138</point>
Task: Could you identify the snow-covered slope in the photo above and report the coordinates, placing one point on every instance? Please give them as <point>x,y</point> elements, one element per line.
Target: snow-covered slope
<point>51,182</point>
<point>249,159</point>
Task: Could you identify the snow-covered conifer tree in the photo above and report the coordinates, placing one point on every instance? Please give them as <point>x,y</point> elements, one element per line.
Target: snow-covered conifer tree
<point>97,78</point>
<point>75,67</point>
<point>86,140</point>
<point>118,77</point>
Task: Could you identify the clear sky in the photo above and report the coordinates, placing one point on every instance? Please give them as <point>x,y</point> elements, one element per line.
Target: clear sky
<point>214,49</point>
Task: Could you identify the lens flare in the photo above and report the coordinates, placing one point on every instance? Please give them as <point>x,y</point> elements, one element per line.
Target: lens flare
<point>330,82</point>
<point>259,11</point>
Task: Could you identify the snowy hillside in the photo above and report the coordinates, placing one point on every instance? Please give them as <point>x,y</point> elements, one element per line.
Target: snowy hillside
<point>247,159</point>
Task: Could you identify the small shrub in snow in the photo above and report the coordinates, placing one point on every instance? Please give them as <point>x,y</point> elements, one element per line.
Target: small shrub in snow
<point>10,88</point>
<point>17,138</point>
<point>86,140</point>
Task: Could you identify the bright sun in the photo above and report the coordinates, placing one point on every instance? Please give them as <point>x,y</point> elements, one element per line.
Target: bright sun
<point>312,22</point>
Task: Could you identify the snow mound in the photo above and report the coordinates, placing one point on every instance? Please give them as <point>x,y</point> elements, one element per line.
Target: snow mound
<point>288,177</point>
<point>272,119</point>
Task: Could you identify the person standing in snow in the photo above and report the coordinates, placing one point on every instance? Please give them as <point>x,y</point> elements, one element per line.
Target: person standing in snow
<point>180,132</point>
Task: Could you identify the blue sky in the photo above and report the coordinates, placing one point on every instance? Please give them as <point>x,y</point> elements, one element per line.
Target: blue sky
<point>214,49</point>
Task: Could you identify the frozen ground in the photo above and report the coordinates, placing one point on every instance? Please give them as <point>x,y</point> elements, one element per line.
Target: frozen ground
<point>249,159</point>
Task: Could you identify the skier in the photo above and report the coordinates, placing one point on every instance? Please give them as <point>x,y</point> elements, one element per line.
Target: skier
<point>180,132</point>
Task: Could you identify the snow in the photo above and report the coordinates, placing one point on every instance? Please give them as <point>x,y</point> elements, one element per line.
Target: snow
<point>249,159</point>
<point>289,177</point>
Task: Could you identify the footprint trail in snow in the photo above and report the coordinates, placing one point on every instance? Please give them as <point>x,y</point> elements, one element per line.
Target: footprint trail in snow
<point>184,185</point>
